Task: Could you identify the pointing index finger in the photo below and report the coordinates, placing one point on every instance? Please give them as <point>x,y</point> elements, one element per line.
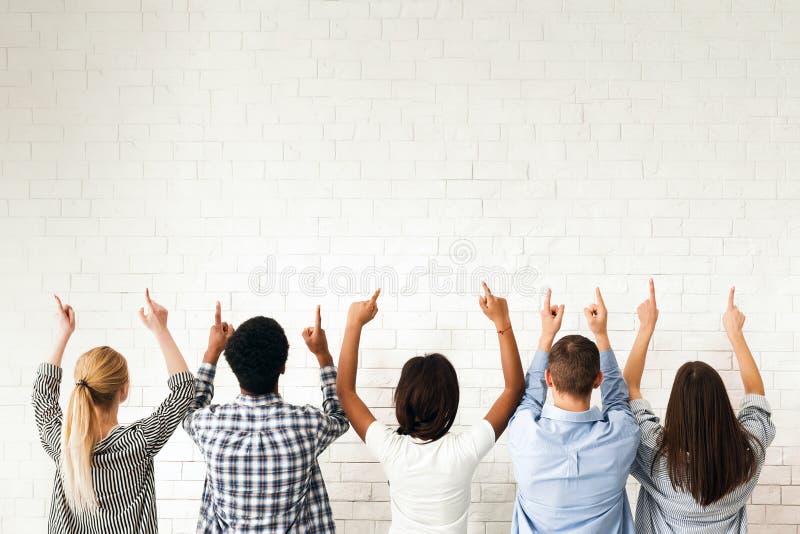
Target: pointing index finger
<point>218,315</point>
<point>599,297</point>
<point>58,300</point>
<point>147,297</point>
<point>730,297</point>
<point>547,300</point>
<point>375,296</point>
<point>318,319</point>
<point>652,291</point>
<point>486,290</point>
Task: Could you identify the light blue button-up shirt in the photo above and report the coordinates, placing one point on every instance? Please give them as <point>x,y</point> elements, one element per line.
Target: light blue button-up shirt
<point>571,467</point>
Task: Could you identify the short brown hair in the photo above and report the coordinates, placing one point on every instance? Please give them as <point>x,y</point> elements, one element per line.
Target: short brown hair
<point>574,364</point>
<point>426,398</point>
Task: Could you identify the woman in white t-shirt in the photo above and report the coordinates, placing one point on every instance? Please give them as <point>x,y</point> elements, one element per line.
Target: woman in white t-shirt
<point>429,468</point>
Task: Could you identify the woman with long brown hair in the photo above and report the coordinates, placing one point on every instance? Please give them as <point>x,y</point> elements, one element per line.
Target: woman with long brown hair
<point>698,469</point>
<point>104,480</point>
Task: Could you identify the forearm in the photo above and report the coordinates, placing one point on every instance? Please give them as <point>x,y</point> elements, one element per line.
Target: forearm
<point>172,354</point>
<point>324,359</point>
<point>211,356</point>
<point>634,366</point>
<point>751,377</point>
<point>510,361</point>
<point>348,362</point>
<point>545,342</point>
<point>58,351</point>
<point>603,343</point>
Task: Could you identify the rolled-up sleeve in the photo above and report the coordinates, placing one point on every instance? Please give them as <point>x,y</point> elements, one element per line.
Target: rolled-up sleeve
<point>47,411</point>
<point>650,429</point>
<point>755,415</point>
<point>159,426</point>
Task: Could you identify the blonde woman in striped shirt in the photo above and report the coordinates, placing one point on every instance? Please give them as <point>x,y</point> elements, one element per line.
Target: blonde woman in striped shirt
<point>698,469</point>
<point>104,479</point>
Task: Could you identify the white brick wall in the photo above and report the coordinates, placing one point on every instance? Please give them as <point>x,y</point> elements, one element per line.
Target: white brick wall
<point>181,144</point>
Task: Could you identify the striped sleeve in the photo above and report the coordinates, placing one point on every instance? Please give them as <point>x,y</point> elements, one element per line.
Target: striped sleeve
<point>651,429</point>
<point>159,426</point>
<point>47,411</point>
<point>755,415</point>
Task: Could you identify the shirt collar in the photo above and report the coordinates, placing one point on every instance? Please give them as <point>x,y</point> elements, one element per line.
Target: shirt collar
<point>259,400</point>
<point>551,411</point>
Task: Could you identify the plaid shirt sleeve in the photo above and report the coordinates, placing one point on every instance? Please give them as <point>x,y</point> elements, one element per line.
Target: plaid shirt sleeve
<point>334,421</point>
<point>203,393</point>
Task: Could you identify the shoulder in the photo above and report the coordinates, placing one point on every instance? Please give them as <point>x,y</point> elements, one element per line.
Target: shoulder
<point>383,441</point>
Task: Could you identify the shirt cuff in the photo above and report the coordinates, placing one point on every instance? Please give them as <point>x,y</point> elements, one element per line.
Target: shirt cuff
<point>178,379</point>
<point>756,401</point>
<point>328,375</point>
<point>206,372</point>
<point>608,361</point>
<point>639,405</point>
<point>49,370</point>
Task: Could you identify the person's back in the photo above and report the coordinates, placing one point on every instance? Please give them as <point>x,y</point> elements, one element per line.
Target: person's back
<point>260,451</point>
<point>105,474</point>
<point>571,461</point>
<point>580,461</point>
<point>429,481</point>
<point>429,468</point>
<point>261,458</point>
<point>708,495</point>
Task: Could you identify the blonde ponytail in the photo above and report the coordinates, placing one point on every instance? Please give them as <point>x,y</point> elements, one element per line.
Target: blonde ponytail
<point>99,374</point>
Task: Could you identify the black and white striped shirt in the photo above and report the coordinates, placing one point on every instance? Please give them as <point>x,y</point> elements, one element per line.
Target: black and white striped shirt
<point>122,464</point>
<point>661,509</point>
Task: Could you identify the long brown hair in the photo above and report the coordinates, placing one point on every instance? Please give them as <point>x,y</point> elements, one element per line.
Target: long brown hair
<point>708,452</point>
<point>99,374</point>
<point>426,398</point>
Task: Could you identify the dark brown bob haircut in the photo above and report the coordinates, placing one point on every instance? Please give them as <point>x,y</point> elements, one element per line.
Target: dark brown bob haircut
<point>708,452</point>
<point>426,398</point>
<point>574,364</point>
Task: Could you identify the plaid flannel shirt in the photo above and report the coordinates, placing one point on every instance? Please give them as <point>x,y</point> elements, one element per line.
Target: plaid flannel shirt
<point>262,473</point>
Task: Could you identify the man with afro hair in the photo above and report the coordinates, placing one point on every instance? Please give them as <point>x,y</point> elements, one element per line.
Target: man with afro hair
<point>262,473</point>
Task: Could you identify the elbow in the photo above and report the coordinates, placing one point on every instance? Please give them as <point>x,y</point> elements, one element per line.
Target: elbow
<point>344,392</point>
<point>515,391</point>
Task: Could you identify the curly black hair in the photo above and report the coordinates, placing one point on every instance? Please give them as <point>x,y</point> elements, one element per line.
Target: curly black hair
<point>256,353</point>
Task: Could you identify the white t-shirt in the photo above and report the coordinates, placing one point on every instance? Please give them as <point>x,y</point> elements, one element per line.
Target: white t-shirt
<point>429,483</point>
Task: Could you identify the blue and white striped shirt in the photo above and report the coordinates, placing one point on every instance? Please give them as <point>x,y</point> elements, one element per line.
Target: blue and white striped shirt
<point>661,509</point>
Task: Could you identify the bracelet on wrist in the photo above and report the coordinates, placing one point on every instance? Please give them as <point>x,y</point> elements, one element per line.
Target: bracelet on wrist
<point>504,330</point>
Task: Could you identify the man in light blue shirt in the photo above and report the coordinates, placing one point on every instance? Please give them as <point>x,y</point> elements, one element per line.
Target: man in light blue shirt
<point>571,460</point>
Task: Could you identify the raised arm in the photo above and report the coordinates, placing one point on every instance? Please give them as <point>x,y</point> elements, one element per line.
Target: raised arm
<point>334,422</point>
<point>156,321</point>
<point>613,390</point>
<point>359,314</point>
<point>47,386</point>
<point>496,309</point>
<point>159,426</point>
<point>733,320</point>
<point>634,367</point>
<point>535,384</point>
<point>65,317</point>
<point>218,336</point>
